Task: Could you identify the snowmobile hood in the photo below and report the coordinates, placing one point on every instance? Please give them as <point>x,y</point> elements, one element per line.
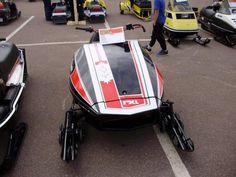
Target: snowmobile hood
<point>113,81</point>
<point>228,19</point>
<point>180,17</point>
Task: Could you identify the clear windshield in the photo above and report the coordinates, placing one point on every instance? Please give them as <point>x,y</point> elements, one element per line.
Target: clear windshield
<point>179,6</point>
<point>232,3</point>
<point>228,7</point>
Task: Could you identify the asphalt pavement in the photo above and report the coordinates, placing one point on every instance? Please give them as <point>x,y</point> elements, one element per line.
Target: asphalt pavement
<point>200,80</point>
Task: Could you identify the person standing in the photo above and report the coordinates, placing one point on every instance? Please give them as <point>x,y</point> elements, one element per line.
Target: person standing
<point>47,9</point>
<point>158,23</point>
<point>80,9</point>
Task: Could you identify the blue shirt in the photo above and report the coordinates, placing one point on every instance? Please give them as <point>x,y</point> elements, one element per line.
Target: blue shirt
<point>160,6</point>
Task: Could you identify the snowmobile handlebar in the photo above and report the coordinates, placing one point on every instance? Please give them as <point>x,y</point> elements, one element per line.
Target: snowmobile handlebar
<point>134,26</point>
<point>126,27</point>
<point>89,29</point>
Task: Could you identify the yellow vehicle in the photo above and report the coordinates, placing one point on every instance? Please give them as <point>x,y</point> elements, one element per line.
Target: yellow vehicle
<point>141,8</point>
<point>181,21</point>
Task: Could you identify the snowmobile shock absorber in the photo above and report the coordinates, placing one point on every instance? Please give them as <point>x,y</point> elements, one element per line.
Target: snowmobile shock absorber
<point>14,144</point>
<point>171,122</point>
<point>184,143</point>
<point>69,137</point>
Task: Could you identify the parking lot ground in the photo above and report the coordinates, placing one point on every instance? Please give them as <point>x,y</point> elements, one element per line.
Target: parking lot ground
<point>200,80</point>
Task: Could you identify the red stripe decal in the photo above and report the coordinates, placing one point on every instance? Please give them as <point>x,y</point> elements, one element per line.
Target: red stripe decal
<point>160,80</point>
<point>110,94</point>
<point>78,85</point>
<point>107,83</point>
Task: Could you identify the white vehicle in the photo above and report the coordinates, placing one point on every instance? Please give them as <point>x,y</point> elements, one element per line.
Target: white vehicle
<point>13,73</point>
<point>220,19</point>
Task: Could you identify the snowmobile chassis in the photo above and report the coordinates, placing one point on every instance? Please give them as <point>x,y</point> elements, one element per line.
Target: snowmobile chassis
<point>17,133</point>
<point>15,140</point>
<point>175,41</point>
<point>225,40</point>
<point>72,133</point>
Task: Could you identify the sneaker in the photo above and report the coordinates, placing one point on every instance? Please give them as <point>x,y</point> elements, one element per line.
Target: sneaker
<point>162,52</point>
<point>148,48</point>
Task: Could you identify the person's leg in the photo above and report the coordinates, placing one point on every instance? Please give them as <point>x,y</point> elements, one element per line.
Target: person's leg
<point>153,39</point>
<point>13,9</point>
<point>80,9</point>
<point>47,9</point>
<point>154,36</point>
<point>160,37</point>
<point>72,10</point>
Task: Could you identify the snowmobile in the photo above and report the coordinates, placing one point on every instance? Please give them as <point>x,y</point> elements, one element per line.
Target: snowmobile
<point>8,11</point>
<point>60,12</point>
<point>181,21</point>
<point>95,11</point>
<point>141,8</point>
<point>220,19</point>
<point>116,86</point>
<point>13,73</point>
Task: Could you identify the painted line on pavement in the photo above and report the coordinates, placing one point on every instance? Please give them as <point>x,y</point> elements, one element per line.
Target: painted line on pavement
<point>106,24</point>
<point>19,28</point>
<point>65,101</point>
<point>172,155</point>
<point>74,42</point>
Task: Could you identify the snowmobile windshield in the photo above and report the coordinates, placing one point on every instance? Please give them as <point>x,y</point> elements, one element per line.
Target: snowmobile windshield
<point>179,6</point>
<point>123,69</point>
<point>232,3</point>
<point>228,7</point>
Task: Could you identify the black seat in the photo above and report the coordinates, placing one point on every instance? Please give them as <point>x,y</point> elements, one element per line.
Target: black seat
<point>6,103</point>
<point>96,8</point>
<point>208,12</point>
<point>143,3</point>
<point>8,56</point>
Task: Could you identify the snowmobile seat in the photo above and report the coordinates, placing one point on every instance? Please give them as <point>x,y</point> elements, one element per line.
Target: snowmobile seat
<point>9,54</point>
<point>96,8</point>
<point>13,9</point>
<point>143,3</point>
<point>209,12</point>
<point>6,104</point>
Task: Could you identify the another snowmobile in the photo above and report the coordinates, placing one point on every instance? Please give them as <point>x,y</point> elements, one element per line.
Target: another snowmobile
<point>220,19</point>
<point>181,21</point>
<point>8,11</point>
<point>95,11</point>
<point>13,73</point>
<point>60,12</point>
<point>141,8</point>
<point>116,85</point>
